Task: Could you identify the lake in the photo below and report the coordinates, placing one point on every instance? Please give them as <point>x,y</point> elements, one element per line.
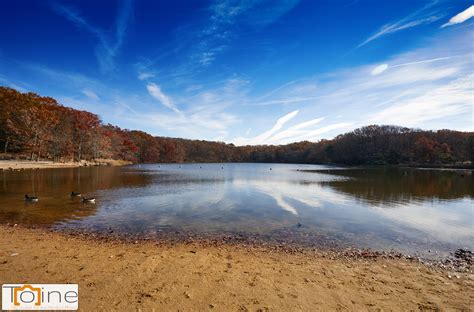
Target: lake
<point>429,212</point>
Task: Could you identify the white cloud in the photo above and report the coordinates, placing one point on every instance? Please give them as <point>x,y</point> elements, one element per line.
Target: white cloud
<point>263,138</point>
<point>312,135</point>
<point>422,16</point>
<point>216,36</point>
<point>207,58</point>
<point>427,61</point>
<point>205,123</point>
<point>155,91</point>
<point>205,114</point>
<point>452,99</point>
<point>291,100</point>
<point>379,69</point>
<point>383,67</point>
<point>410,75</point>
<point>298,91</point>
<point>295,131</point>
<point>461,17</point>
<point>424,88</point>
<point>299,132</point>
<point>90,94</point>
<point>145,76</point>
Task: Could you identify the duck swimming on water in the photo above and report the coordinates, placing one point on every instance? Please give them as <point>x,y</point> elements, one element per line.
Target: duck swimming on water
<point>90,200</point>
<point>75,194</point>
<point>31,198</point>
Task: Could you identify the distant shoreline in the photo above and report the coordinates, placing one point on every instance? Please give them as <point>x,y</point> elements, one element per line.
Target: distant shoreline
<point>31,164</point>
<point>26,164</point>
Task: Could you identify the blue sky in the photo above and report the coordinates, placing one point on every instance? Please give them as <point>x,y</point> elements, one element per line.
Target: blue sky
<point>248,71</point>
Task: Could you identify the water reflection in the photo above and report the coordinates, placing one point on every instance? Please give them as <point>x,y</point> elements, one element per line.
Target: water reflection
<point>392,185</point>
<point>404,209</point>
<point>53,187</point>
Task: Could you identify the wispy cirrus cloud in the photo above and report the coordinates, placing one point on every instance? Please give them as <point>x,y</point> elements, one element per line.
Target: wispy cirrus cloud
<point>383,67</point>
<point>290,93</point>
<point>204,113</point>
<point>90,94</point>
<point>429,87</point>
<point>263,138</point>
<point>305,130</point>
<point>217,35</point>
<point>207,122</point>
<point>155,91</point>
<point>278,134</point>
<point>145,76</point>
<point>425,88</point>
<point>461,17</point>
<point>444,101</point>
<point>379,69</point>
<point>199,43</point>
<point>109,43</point>
<point>296,130</point>
<point>425,15</point>
<point>289,100</point>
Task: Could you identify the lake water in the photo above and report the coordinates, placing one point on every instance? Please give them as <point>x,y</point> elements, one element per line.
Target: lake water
<point>409,210</point>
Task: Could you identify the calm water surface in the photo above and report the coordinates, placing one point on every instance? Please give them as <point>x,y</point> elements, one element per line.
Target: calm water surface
<point>404,209</point>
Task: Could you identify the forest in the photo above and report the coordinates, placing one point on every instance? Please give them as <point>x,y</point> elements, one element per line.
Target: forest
<point>39,128</point>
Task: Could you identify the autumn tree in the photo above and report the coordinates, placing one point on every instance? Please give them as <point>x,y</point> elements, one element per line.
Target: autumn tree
<point>38,127</point>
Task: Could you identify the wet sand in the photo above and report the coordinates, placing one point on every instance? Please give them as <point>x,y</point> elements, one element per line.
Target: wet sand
<point>121,276</point>
<point>26,164</point>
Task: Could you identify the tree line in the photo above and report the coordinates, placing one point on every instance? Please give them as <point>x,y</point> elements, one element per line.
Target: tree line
<point>36,127</point>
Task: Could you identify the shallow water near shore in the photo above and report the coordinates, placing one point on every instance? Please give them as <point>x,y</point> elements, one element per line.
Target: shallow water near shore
<point>428,212</point>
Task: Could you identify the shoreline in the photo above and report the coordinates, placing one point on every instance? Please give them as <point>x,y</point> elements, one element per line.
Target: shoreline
<point>460,263</point>
<point>13,164</point>
<point>117,275</point>
<point>46,164</point>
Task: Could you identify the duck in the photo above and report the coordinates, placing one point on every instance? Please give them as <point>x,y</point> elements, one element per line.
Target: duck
<point>75,194</point>
<point>31,198</point>
<point>90,200</point>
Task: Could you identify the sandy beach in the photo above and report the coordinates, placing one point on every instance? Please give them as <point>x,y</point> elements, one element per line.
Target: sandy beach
<point>120,276</point>
<point>25,164</point>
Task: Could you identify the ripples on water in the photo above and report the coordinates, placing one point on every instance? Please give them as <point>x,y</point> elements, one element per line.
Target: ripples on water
<point>405,209</point>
